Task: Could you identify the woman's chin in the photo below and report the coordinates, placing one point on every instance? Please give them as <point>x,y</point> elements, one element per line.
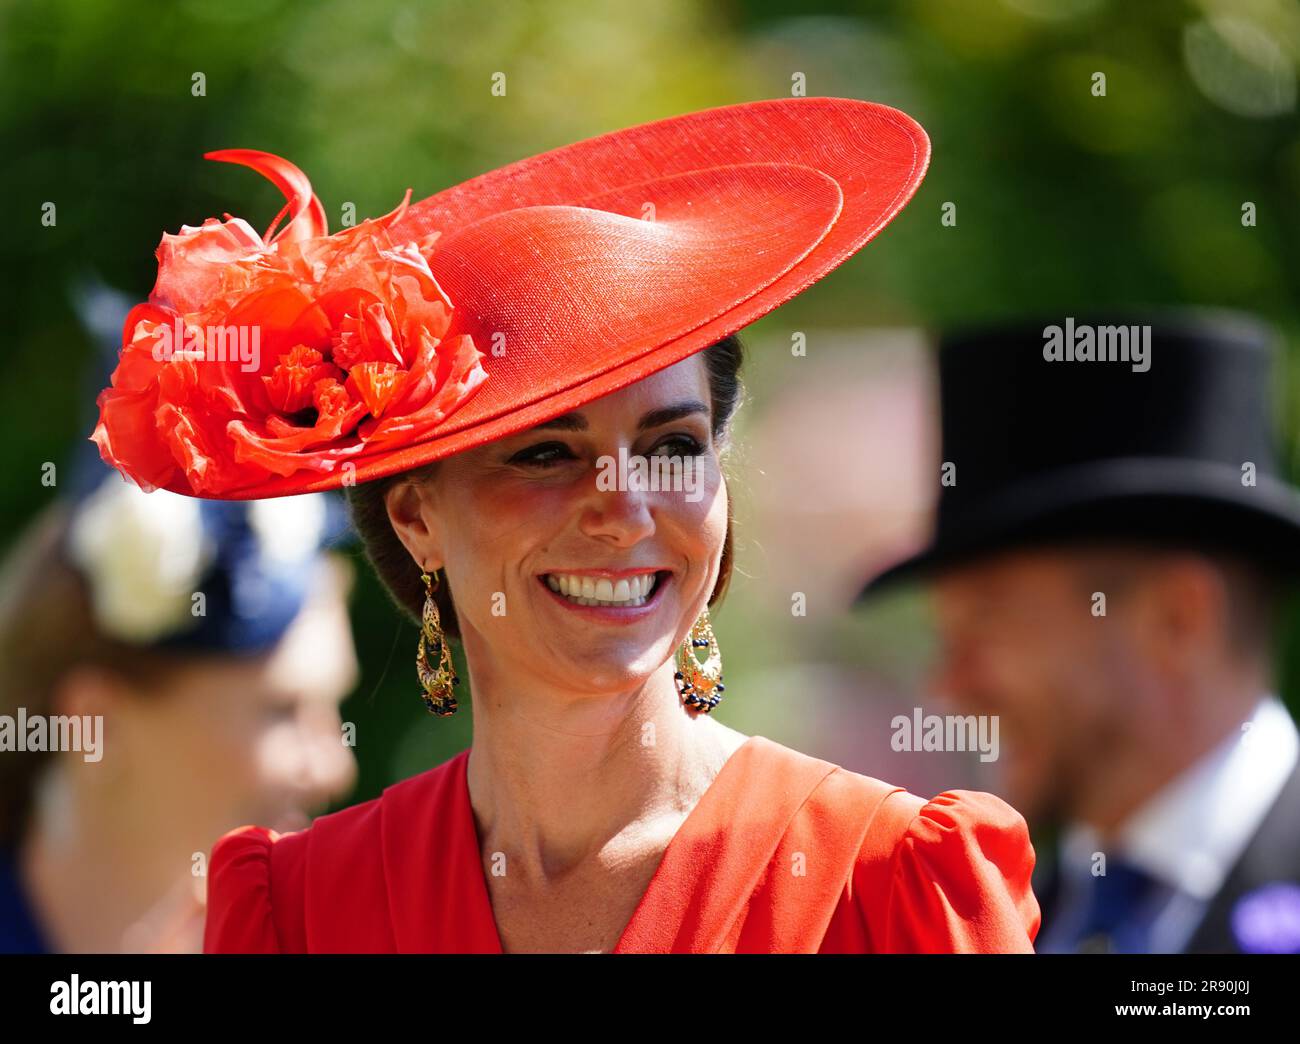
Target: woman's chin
<point>601,669</point>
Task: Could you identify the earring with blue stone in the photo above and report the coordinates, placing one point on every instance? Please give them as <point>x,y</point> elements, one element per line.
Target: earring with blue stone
<point>439,684</point>
<point>700,683</point>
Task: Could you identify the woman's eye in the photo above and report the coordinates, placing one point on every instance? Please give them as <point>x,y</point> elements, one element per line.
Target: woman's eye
<point>542,455</point>
<point>678,446</point>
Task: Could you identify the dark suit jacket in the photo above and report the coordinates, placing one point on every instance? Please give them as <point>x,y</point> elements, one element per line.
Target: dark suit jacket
<point>1271,855</point>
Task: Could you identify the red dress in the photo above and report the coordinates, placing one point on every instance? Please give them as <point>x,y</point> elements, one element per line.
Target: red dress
<point>784,853</point>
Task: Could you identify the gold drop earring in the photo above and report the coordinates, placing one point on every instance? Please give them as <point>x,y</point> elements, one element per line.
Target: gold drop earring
<point>700,684</point>
<point>439,685</point>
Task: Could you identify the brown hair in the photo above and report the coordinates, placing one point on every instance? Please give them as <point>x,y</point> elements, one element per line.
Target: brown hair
<point>393,563</point>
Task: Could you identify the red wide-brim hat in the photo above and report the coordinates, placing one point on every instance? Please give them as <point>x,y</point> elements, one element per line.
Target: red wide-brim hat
<point>303,361</point>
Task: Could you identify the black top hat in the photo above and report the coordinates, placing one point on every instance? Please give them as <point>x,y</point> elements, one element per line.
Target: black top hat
<point>1150,427</point>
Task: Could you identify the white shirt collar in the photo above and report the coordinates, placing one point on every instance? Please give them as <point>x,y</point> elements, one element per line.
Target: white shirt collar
<point>1191,832</point>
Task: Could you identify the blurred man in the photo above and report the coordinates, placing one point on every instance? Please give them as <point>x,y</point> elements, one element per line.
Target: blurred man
<point>1110,541</point>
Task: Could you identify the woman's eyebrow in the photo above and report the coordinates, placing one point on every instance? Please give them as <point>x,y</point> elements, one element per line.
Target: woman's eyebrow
<point>664,415</point>
<point>671,413</point>
<point>566,422</point>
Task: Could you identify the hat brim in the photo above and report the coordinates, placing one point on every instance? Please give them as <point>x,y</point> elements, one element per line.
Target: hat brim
<point>1140,500</point>
<point>839,170</point>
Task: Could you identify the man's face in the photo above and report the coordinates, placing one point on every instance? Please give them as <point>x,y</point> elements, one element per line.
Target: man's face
<point>1019,640</point>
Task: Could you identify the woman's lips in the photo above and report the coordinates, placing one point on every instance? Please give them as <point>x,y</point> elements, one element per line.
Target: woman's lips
<point>621,614</point>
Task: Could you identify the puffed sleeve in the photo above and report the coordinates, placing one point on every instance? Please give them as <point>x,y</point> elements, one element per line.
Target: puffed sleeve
<point>961,879</point>
<point>239,910</point>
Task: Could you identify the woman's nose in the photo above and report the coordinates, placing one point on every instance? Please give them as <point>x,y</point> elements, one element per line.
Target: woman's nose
<point>622,515</point>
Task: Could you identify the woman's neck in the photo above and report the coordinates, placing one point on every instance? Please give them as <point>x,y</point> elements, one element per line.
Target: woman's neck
<point>555,779</point>
<point>102,880</point>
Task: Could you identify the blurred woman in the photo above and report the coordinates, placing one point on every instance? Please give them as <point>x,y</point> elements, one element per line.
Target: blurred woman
<point>203,655</point>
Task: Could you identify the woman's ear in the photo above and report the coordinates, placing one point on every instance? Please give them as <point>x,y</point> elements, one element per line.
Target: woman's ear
<point>412,516</point>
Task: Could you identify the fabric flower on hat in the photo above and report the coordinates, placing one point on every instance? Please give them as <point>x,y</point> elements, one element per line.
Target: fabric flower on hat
<point>142,557</point>
<point>295,352</point>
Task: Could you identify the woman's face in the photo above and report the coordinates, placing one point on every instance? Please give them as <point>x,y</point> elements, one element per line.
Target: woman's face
<point>519,524</point>
<point>234,740</point>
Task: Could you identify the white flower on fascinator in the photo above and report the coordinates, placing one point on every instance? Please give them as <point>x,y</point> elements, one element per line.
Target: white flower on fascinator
<point>288,528</point>
<point>143,555</point>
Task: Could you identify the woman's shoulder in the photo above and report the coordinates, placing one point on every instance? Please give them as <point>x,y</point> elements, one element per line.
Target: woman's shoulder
<point>242,914</point>
<point>257,877</point>
<point>830,794</point>
<point>895,822</point>
<point>890,870</point>
<point>947,874</point>
<point>20,932</point>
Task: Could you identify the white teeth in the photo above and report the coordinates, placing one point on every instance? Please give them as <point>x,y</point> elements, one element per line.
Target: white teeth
<point>584,590</point>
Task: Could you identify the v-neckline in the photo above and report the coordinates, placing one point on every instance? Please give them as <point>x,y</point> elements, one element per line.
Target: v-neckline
<point>658,880</point>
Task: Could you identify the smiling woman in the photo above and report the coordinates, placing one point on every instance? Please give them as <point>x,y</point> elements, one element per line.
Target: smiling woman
<point>392,561</point>
<point>601,806</point>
